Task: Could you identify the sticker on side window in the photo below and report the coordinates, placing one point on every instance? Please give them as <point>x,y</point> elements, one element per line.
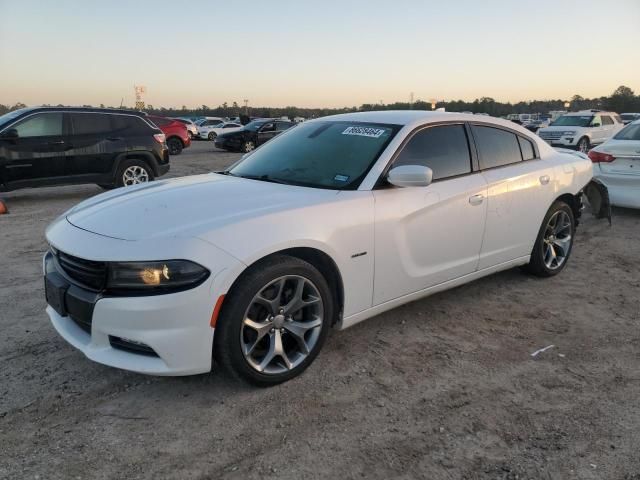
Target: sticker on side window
<point>364,131</point>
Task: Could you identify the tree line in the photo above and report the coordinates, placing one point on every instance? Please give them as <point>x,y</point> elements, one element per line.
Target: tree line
<point>623,99</point>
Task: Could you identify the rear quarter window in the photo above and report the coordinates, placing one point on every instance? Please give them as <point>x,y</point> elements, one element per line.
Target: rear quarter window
<point>526,147</point>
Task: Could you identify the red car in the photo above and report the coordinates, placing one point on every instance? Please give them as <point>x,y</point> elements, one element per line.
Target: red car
<point>175,131</point>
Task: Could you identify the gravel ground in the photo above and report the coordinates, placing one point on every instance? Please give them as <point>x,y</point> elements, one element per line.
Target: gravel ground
<point>443,388</point>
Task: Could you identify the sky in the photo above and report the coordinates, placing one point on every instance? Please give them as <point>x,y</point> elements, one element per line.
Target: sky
<point>314,54</point>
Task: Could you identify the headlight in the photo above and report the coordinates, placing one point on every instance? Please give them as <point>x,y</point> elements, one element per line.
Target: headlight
<point>569,132</point>
<point>170,275</point>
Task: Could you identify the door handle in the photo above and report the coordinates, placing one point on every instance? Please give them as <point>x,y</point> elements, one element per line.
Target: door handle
<point>476,199</point>
<point>544,179</point>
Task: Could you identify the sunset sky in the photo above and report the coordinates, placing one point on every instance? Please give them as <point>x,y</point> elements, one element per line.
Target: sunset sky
<point>314,54</point>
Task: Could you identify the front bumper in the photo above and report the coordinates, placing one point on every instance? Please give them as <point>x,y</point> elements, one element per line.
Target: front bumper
<point>171,331</point>
<point>566,142</point>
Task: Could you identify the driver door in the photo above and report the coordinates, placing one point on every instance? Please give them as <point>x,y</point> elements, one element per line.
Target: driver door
<point>37,155</point>
<point>425,236</point>
<point>266,133</point>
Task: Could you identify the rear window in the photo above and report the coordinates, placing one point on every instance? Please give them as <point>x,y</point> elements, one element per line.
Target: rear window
<point>630,132</point>
<point>90,123</point>
<point>606,120</point>
<point>496,147</point>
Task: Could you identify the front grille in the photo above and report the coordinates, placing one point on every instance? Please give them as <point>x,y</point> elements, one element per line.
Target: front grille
<point>551,135</point>
<point>86,272</point>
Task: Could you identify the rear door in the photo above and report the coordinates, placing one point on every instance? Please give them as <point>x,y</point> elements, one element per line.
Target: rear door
<point>608,127</point>
<point>93,143</point>
<point>597,130</point>
<point>37,155</point>
<point>520,191</point>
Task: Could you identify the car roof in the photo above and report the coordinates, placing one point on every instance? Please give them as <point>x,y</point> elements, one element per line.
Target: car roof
<point>582,113</point>
<point>416,117</point>
<point>83,109</point>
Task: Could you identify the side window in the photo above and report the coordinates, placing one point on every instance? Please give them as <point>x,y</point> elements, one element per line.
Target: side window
<point>596,121</point>
<point>40,125</point>
<point>526,147</point>
<point>606,120</point>
<point>90,123</point>
<point>130,125</point>
<point>444,149</point>
<point>281,126</point>
<point>268,127</point>
<point>496,147</point>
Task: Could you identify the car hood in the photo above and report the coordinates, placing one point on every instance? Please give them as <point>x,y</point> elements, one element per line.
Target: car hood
<point>187,206</point>
<point>555,128</point>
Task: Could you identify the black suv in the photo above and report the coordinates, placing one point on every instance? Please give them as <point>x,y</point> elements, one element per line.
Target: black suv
<point>252,135</point>
<point>45,146</point>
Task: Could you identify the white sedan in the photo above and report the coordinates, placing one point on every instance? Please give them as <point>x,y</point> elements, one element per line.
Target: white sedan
<point>616,163</point>
<point>333,222</point>
<point>210,132</point>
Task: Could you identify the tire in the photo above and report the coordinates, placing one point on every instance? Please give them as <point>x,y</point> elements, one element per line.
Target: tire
<point>133,171</point>
<point>175,146</point>
<point>583,145</point>
<point>248,146</point>
<point>212,136</point>
<point>234,336</point>
<point>552,241</point>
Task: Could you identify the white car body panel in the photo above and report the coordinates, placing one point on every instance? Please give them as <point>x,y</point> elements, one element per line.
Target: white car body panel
<point>622,176</point>
<point>554,134</point>
<point>390,245</point>
<point>203,132</point>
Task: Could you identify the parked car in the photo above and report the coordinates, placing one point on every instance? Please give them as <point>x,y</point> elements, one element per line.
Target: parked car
<point>336,221</point>
<point>45,146</point>
<point>629,117</point>
<point>192,128</point>
<point>252,135</point>
<point>206,121</point>
<point>212,131</point>
<point>616,163</point>
<point>581,130</point>
<point>175,131</point>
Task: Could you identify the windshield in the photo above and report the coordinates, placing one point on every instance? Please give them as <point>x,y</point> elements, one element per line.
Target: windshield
<point>333,155</point>
<point>630,132</point>
<point>11,115</point>
<point>572,121</point>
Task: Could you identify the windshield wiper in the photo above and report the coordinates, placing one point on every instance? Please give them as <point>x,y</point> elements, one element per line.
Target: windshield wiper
<point>264,178</point>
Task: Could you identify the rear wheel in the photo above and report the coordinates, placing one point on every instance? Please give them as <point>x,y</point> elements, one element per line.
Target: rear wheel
<point>554,243</point>
<point>175,146</point>
<point>583,145</point>
<point>212,136</point>
<point>132,172</point>
<point>248,146</point>
<point>274,322</point>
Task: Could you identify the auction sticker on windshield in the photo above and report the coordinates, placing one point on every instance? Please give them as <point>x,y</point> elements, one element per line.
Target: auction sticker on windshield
<point>364,131</point>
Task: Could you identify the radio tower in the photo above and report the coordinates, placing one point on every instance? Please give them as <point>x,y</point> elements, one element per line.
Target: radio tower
<point>140,91</point>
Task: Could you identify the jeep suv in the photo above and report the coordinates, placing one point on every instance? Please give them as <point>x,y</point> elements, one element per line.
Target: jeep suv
<point>46,146</point>
<point>582,130</point>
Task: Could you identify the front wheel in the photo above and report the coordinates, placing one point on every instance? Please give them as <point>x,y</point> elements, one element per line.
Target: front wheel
<point>212,136</point>
<point>554,243</point>
<point>274,322</point>
<point>583,145</point>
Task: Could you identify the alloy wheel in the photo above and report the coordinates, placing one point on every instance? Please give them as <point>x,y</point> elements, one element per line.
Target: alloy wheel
<point>249,146</point>
<point>135,174</point>
<point>557,240</point>
<point>282,325</point>
<point>583,146</point>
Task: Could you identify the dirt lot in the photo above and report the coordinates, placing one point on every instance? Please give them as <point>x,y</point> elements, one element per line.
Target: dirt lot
<point>444,388</point>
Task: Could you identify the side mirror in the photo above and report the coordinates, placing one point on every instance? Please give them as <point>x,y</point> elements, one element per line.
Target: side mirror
<point>410,176</point>
<point>11,134</point>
